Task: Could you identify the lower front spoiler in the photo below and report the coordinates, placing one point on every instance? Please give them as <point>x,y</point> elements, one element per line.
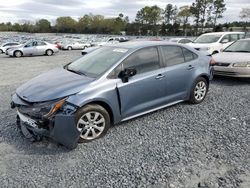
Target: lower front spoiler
<point>63,132</point>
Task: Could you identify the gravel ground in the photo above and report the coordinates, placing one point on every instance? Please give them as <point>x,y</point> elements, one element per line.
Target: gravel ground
<point>206,145</point>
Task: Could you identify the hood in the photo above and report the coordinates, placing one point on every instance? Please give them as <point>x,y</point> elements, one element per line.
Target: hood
<point>200,45</point>
<point>232,57</point>
<point>52,85</point>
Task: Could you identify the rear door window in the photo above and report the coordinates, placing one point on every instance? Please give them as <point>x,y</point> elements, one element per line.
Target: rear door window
<point>173,55</point>
<point>188,55</point>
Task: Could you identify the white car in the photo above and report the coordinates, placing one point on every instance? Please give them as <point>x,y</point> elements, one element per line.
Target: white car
<point>4,47</point>
<point>33,48</point>
<point>180,40</point>
<point>112,40</point>
<point>75,46</point>
<point>215,42</point>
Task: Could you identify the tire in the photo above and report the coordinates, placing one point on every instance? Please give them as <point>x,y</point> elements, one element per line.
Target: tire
<point>199,91</point>
<point>69,48</point>
<point>1,51</point>
<point>18,54</point>
<point>92,119</point>
<point>49,52</point>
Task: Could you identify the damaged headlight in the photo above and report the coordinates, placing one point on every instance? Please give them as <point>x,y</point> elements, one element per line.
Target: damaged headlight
<point>44,109</point>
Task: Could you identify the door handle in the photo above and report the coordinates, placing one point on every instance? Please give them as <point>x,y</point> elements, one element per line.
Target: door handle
<point>159,76</point>
<point>190,67</point>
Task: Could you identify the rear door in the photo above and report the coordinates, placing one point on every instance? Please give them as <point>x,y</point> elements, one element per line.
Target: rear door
<point>180,66</point>
<point>40,48</point>
<point>145,90</point>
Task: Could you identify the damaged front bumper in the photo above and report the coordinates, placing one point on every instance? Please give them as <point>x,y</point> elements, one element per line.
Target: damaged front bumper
<point>60,128</point>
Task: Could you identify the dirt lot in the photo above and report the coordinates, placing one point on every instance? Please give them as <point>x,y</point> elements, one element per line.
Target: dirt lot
<point>206,145</point>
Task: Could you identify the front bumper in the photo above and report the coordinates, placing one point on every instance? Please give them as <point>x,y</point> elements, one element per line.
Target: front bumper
<point>61,127</point>
<point>239,72</point>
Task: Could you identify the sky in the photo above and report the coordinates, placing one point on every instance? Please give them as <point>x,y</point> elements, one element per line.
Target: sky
<point>20,10</point>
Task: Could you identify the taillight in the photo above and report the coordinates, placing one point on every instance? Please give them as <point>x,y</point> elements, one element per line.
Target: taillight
<point>212,62</point>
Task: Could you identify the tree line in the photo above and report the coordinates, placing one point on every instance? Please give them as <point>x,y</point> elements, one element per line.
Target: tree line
<point>150,20</point>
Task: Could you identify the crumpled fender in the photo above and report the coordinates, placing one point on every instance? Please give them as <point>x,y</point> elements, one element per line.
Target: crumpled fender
<point>65,131</point>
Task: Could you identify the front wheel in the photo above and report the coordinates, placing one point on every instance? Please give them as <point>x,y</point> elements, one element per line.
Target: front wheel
<point>199,91</point>
<point>69,48</point>
<point>18,54</point>
<point>93,121</point>
<point>1,51</point>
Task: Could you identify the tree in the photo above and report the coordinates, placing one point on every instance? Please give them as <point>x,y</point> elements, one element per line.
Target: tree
<point>201,10</point>
<point>218,8</point>
<point>43,26</point>
<point>170,13</point>
<point>245,15</point>
<point>184,15</point>
<point>66,24</point>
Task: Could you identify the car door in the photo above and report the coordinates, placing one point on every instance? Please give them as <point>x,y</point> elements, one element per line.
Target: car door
<point>40,48</point>
<point>180,66</point>
<point>145,90</point>
<point>29,49</point>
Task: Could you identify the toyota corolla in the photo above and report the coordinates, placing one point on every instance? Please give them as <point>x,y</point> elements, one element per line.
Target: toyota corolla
<point>79,102</point>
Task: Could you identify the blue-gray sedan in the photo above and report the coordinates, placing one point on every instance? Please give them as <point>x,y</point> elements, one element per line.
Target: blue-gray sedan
<point>79,102</point>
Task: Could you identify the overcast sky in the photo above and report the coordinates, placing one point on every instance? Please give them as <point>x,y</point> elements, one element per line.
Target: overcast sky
<point>16,10</point>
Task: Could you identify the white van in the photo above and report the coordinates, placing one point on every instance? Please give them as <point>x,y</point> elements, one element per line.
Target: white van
<point>215,42</point>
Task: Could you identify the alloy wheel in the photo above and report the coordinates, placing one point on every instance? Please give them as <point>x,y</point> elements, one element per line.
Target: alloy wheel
<point>200,90</point>
<point>91,125</point>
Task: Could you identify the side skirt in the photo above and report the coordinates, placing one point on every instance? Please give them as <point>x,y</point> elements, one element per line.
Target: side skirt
<point>152,110</point>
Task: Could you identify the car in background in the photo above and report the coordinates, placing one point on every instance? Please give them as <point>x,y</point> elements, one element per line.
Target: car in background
<point>112,40</point>
<point>112,84</point>
<point>89,50</point>
<point>33,48</point>
<point>74,45</point>
<point>215,42</point>
<point>234,61</point>
<point>7,45</point>
<point>180,40</point>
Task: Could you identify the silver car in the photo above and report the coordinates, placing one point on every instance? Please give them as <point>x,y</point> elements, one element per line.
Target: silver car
<point>234,61</point>
<point>4,47</point>
<point>33,48</point>
<point>109,85</point>
<point>75,45</point>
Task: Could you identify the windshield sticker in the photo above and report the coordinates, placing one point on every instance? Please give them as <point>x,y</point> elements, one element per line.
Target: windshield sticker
<point>121,50</point>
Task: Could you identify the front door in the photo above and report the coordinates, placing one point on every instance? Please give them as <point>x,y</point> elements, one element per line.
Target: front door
<point>145,90</point>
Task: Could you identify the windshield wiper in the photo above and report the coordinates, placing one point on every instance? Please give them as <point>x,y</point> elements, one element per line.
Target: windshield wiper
<point>242,51</point>
<point>75,71</point>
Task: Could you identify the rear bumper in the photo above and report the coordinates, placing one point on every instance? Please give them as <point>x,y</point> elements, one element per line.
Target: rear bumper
<point>239,72</point>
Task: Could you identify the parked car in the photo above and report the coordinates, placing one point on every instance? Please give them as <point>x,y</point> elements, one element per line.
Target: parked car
<point>89,50</point>
<point>33,48</point>
<point>234,61</point>
<point>105,41</point>
<point>74,46</point>
<point>7,45</point>
<point>215,42</point>
<point>180,40</point>
<point>112,84</point>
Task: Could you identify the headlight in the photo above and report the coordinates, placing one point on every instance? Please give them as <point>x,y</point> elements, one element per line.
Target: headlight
<point>44,109</point>
<point>241,64</point>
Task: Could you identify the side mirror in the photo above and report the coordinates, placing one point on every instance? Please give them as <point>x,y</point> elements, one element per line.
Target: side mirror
<point>225,41</point>
<point>126,74</point>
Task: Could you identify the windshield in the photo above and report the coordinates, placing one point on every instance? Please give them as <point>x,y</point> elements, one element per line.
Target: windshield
<point>239,46</point>
<point>207,39</point>
<point>98,61</point>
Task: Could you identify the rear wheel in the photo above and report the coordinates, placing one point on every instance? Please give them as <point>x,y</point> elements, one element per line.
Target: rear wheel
<point>49,52</point>
<point>93,121</point>
<point>69,48</point>
<point>18,54</point>
<point>1,51</point>
<point>199,91</point>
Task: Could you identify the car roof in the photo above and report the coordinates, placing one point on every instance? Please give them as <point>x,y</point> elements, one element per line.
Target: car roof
<point>223,33</point>
<point>141,44</point>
